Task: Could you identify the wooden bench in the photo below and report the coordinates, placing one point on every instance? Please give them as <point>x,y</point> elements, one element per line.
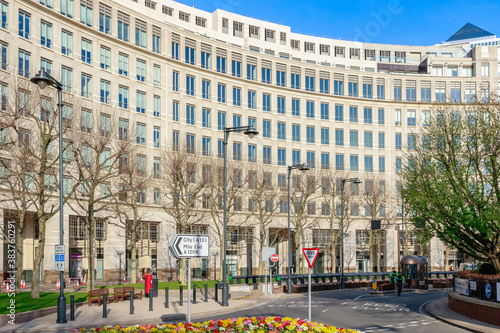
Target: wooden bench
<point>121,293</point>
<point>96,295</point>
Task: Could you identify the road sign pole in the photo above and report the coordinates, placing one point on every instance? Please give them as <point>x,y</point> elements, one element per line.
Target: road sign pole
<point>265,279</point>
<point>270,279</point>
<point>309,292</point>
<point>189,289</point>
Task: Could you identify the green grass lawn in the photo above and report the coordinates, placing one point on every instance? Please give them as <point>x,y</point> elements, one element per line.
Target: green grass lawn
<point>47,299</point>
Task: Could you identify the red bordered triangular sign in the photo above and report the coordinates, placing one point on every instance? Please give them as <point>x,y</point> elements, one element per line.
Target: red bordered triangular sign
<point>311,255</point>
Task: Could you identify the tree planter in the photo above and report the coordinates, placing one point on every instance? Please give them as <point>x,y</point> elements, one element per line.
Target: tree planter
<point>350,285</point>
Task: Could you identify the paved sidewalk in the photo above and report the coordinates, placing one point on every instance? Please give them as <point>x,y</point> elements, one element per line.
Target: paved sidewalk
<point>440,310</point>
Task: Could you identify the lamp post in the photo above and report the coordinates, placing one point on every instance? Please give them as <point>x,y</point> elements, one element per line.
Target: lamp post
<point>251,132</point>
<point>342,184</point>
<point>215,254</point>
<point>44,79</point>
<point>119,253</point>
<point>301,167</point>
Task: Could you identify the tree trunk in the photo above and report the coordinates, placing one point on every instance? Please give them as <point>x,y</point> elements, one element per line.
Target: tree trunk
<point>370,250</point>
<point>496,262</point>
<point>35,285</point>
<point>446,256</point>
<point>19,252</point>
<point>90,242</point>
<point>262,263</point>
<point>133,254</point>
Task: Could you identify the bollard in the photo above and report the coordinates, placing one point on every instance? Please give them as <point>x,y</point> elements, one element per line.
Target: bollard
<point>131,302</point>
<point>166,297</point>
<point>180,295</point>
<point>150,301</point>
<point>105,305</point>
<point>216,292</point>
<point>194,294</point>
<point>72,309</point>
<point>206,292</point>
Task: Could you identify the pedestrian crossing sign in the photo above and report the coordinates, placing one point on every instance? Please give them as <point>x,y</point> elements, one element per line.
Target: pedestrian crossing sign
<point>311,255</point>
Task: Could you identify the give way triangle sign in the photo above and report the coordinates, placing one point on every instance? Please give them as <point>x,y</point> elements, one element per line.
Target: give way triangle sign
<point>311,255</point>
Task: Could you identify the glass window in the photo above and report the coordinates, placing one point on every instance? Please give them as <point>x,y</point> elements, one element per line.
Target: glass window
<point>141,70</point>
<point>123,26</point>
<point>281,105</point>
<point>67,8</point>
<point>310,134</point>
<point>46,34</point>
<point>368,140</point>
<point>175,111</point>
<point>281,156</point>
<point>367,115</point>
<point>141,134</point>
<point>236,68</point>
<point>281,131</point>
<point>190,114</point>
<point>86,85</point>
<point>266,128</point>
<point>86,51</point>
<point>381,140</point>
<point>252,153</point>
<point>123,64</point>
<point>295,132</point>
<point>221,64</point>
<point>353,114</point>
<point>236,96</point>
<point>339,137</point>
<point>190,85</point>
<point>206,118</point>
<point>353,138</point>
<point>206,90</point>
<point>24,24</point>
<point>325,136</point>
<point>310,109</point>
<point>339,113</point>
<point>105,88</point>
<point>105,58</point>
<point>266,102</point>
<point>67,43</point>
<point>295,107</point>
<point>339,161</point>
<point>156,105</point>
<point>353,162</point>
<point>156,137</point>
<point>86,12</point>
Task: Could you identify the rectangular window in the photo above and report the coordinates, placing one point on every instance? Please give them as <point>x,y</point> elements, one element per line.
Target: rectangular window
<point>381,164</point>
<point>266,75</point>
<point>251,72</point>
<point>175,50</point>
<point>397,90</point>
<point>105,88</point>
<point>46,34</point>
<point>311,159</point>
<point>353,114</point>
<point>266,155</point>
<point>104,18</point>
<point>123,129</point>
<point>397,116</point>
<point>368,139</point>
<point>24,24</point>
<point>156,39</point>
<point>86,85</point>
<point>67,79</point>
<point>381,140</point>
<point>221,120</point>
<point>412,118</point>
<point>156,137</point>
<point>368,163</point>
<point>206,89</point>
<point>412,141</point>
<point>67,43</point>
<point>281,105</point>
<point>190,85</point>
<point>325,114</point>
<point>206,147</point>
<point>380,91</point>
<point>123,26</point>
<point>266,128</point>
<point>221,93</point>
<point>425,91</point>
<point>141,70</point>
<point>140,137</point>
<point>237,121</point>
<point>67,8</point>
<point>175,141</point>
<point>236,68</point>
<point>353,89</point>
<point>281,131</point>
<point>399,165</point>
<point>280,78</point>
<point>156,105</point>
<point>310,134</point>
<point>156,167</point>
<point>309,83</point>
<point>252,153</point>
<point>367,90</point>
<point>105,58</point>
<point>296,157</point>
<point>339,113</point>
<point>281,156</point>
<point>237,151</point>
<point>206,115</point>
<point>175,111</point>
<point>140,101</point>
<point>266,102</point>
<point>295,107</point>
<point>353,162</point>
<point>353,138</point>
<point>324,86</point>
<point>325,136</point>
<point>123,64</point>
<point>86,12</point>
<point>295,132</point>
<point>398,141</point>
<point>189,53</point>
<point>339,137</point>
<point>295,78</point>
<point>86,51</point>
<point>190,144</point>
<point>411,94</point>
<point>156,75</point>
<point>381,116</point>
<point>252,102</point>
<point>236,96</point>
<point>338,85</point>
<point>221,64</point>
<point>339,162</point>
<point>190,114</point>
<point>367,115</point>
<point>309,109</point>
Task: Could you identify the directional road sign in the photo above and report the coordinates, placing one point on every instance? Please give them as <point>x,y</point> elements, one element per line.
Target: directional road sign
<point>59,257</point>
<point>189,246</point>
<point>274,257</point>
<point>311,255</point>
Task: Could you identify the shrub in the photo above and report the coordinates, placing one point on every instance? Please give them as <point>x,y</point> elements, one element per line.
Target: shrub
<point>486,268</point>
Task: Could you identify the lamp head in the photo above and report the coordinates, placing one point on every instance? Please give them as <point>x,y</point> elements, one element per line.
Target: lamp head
<point>357,181</point>
<point>304,167</point>
<point>251,132</point>
<point>41,79</point>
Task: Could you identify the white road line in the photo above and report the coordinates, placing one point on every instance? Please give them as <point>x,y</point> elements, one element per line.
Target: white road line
<point>414,322</point>
<point>413,325</point>
<point>343,303</point>
<point>361,296</point>
<point>324,310</point>
<point>371,328</point>
<point>421,308</point>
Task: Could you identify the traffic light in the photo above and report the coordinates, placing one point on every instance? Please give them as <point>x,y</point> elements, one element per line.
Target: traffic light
<point>278,278</point>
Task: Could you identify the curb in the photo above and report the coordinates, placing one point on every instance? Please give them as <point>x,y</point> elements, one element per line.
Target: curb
<point>449,321</point>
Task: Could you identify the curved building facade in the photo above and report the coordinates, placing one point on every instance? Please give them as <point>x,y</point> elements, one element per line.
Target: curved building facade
<point>179,75</point>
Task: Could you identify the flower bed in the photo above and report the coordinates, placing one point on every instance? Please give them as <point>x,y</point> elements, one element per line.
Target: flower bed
<point>251,325</point>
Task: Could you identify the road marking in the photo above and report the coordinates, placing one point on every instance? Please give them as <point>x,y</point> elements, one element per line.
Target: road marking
<point>421,308</point>
<point>343,303</point>
<point>324,310</point>
<point>361,296</point>
<point>414,322</point>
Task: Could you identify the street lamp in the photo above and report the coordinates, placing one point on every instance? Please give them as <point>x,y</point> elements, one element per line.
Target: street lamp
<point>215,254</point>
<point>251,132</point>
<point>301,167</point>
<point>119,253</point>
<point>342,184</point>
<point>44,79</point>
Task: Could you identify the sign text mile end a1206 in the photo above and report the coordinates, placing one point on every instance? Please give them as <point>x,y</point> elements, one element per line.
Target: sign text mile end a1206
<point>189,246</point>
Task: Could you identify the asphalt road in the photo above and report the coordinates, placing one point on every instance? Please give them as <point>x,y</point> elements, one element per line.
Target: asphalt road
<point>356,310</point>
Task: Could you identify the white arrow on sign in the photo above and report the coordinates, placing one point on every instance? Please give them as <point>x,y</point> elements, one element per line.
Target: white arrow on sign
<point>311,255</point>
<point>190,246</point>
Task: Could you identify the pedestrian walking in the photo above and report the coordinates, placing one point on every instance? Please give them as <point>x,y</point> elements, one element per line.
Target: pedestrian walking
<point>399,280</point>
<point>393,274</point>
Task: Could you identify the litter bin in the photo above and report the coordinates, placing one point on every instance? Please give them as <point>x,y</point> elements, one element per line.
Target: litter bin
<point>148,284</point>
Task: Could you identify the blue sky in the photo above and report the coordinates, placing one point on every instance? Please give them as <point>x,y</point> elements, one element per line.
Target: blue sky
<point>406,22</point>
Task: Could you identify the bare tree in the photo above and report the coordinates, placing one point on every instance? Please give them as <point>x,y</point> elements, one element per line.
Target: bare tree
<point>183,182</point>
<point>97,152</point>
<point>263,204</point>
<point>133,181</point>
